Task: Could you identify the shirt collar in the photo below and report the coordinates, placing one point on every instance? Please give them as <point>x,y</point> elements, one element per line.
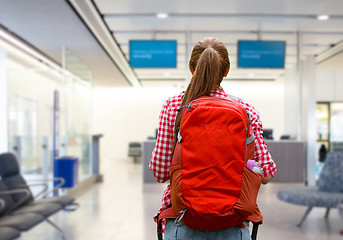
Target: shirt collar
<point>218,92</point>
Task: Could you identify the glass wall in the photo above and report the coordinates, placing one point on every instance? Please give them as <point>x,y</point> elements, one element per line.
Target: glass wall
<point>323,133</point>
<point>336,126</point>
<point>77,96</point>
<point>30,106</point>
<point>77,124</point>
<point>329,120</point>
<point>30,91</point>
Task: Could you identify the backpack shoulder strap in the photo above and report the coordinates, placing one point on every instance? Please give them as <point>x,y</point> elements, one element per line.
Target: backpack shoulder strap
<point>237,99</point>
<point>233,97</point>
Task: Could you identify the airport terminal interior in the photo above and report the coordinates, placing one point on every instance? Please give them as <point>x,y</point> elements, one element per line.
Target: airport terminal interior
<point>82,84</point>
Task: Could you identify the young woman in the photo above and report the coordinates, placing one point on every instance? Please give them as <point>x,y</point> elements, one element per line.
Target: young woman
<point>209,64</point>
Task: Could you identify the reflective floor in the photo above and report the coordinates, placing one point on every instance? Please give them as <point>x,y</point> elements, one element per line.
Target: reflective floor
<point>121,208</point>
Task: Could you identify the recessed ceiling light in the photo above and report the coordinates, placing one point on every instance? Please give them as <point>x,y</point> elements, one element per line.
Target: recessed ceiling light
<point>251,75</point>
<point>162,15</point>
<point>323,17</point>
<point>167,74</point>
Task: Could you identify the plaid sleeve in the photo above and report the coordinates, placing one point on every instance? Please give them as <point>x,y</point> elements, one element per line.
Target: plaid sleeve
<point>262,156</point>
<point>166,202</point>
<point>161,155</point>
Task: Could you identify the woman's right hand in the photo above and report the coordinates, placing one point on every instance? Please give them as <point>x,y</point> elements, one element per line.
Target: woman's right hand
<point>265,180</point>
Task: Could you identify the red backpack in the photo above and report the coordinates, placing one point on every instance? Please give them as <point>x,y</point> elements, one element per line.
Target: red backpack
<point>211,186</point>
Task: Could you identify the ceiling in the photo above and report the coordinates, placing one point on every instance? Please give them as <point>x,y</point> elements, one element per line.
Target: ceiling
<point>229,21</point>
<point>49,25</point>
<point>334,63</point>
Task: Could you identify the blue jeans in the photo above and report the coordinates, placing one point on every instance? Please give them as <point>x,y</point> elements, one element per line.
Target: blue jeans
<point>182,232</point>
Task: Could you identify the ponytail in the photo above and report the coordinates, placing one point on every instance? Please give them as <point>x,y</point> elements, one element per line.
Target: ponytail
<point>206,75</point>
<point>209,60</point>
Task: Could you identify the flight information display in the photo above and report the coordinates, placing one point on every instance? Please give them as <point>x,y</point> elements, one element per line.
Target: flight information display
<point>153,53</point>
<point>261,54</point>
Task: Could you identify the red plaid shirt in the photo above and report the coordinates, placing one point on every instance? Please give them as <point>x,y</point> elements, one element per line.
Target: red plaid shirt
<point>161,156</point>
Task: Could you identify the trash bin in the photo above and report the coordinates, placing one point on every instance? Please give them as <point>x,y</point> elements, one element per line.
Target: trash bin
<point>67,168</point>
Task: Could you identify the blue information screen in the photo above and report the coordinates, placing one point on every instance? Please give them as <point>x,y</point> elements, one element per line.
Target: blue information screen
<point>261,54</point>
<point>153,53</point>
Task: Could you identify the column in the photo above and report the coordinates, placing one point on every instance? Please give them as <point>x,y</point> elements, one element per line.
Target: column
<point>3,102</point>
<point>309,116</point>
<point>188,56</point>
<point>300,87</point>
<point>291,102</point>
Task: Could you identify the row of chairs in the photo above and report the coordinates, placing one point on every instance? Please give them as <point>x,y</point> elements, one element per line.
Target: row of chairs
<point>20,210</point>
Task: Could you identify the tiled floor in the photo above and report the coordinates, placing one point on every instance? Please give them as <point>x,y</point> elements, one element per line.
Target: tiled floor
<point>121,208</point>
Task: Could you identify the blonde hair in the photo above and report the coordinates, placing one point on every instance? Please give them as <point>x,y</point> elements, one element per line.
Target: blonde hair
<point>210,61</point>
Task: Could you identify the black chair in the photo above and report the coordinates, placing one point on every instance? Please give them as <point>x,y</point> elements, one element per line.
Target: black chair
<point>10,173</point>
<point>47,206</point>
<point>7,233</point>
<point>9,222</point>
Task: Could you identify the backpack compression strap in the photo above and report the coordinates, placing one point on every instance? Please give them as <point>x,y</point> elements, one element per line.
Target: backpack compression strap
<point>165,214</point>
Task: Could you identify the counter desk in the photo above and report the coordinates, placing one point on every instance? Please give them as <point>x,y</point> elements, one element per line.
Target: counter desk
<point>289,156</point>
<point>147,148</point>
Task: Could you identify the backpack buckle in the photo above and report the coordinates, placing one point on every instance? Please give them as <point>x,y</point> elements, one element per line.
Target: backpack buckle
<point>179,137</point>
<point>179,218</point>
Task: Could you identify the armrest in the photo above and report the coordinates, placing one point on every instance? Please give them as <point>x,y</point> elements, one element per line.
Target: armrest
<point>45,187</point>
<point>8,192</point>
<point>2,204</point>
<point>45,191</point>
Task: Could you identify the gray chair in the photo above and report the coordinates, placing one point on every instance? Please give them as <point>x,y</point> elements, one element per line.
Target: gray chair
<point>135,150</point>
<point>329,192</point>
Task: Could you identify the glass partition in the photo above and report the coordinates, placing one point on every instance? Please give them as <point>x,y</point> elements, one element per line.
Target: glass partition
<point>336,126</point>
<point>78,111</point>
<point>77,122</point>
<point>31,114</point>
<point>323,132</point>
<point>30,102</point>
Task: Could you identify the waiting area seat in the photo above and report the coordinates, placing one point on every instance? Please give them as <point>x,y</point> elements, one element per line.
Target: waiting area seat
<point>7,233</point>
<point>135,150</point>
<point>329,192</point>
<point>21,210</point>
